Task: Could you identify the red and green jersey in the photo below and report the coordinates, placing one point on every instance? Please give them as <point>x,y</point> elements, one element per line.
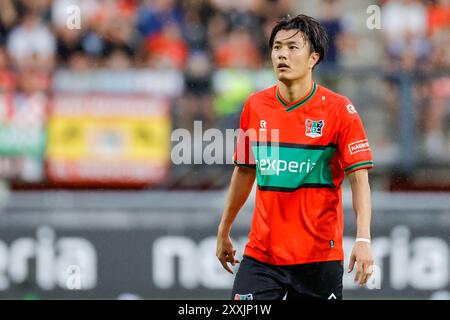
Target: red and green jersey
<point>298,215</point>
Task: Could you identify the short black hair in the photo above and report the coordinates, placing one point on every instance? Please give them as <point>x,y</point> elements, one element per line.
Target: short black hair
<point>314,32</point>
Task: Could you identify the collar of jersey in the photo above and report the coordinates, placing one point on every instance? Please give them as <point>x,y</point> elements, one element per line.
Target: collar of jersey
<point>294,105</point>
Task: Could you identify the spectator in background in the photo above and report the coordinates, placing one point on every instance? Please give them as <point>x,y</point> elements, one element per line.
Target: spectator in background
<point>254,16</point>
<point>332,21</point>
<point>439,107</point>
<point>243,14</point>
<point>115,23</point>
<point>237,51</point>
<point>438,16</point>
<point>167,49</point>
<point>68,43</point>
<point>404,25</point>
<point>8,79</point>
<point>108,27</point>
<point>33,83</point>
<point>339,41</point>
<point>195,23</point>
<point>41,8</point>
<point>76,46</point>
<point>118,34</point>
<point>79,61</point>
<point>110,9</point>
<point>198,73</point>
<point>271,11</point>
<point>250,16</point>
<point>8,18</point>
<point>59,14</point>
<point>153,15</point>
<point>31,44</point>
<point>118,59</point>
<point>197,102</point>
<point>218,27</point>
<point>407,51</point>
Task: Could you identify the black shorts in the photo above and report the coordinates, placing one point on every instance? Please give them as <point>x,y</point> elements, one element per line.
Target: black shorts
<point>256,280</point>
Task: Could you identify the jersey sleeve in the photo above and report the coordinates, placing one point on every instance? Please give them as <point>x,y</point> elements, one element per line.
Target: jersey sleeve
<point>243,155</point>
<point>354,148</point>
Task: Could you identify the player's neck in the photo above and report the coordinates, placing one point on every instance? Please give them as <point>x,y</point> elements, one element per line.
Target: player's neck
<point>295,90</point>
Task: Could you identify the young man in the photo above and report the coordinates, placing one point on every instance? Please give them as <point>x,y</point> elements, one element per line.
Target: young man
<point>295,242</point>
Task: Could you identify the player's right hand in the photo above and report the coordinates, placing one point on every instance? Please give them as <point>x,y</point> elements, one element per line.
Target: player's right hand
<point>225,252</point>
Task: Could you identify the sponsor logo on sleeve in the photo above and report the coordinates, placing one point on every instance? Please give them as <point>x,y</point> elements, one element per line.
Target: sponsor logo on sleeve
<point>359,146</point>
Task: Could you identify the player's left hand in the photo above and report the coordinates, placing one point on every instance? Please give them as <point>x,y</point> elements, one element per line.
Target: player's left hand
<point>362,255</point>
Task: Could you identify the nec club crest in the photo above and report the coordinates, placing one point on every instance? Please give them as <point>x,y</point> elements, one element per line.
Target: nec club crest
<point>314,128</point>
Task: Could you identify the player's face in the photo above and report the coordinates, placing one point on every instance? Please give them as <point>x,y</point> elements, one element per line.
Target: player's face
<point>291,57</point>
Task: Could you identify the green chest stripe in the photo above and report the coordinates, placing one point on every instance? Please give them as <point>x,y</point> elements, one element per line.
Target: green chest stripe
<point>287,168</point>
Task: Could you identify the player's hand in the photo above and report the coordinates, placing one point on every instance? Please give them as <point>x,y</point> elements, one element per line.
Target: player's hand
<point>362,255</point>
<point>225,252</point>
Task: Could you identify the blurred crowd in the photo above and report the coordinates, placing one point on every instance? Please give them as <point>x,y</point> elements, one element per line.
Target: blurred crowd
<point>173,33</point>
<point>192,36</point>
<point>197,37</point>
<point>416,36</point>
<point>142,33</point>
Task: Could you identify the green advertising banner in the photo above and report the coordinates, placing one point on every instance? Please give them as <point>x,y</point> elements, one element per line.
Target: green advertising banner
<point>22,141</point>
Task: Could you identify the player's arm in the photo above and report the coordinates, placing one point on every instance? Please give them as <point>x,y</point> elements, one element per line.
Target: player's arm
<point>240,187</point>
<point>361,198</point>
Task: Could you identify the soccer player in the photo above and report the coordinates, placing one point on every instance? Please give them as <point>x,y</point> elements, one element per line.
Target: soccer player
<point>295,242</point>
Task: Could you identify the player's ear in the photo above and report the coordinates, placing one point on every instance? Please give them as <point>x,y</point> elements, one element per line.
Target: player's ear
<point>313,58</point>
